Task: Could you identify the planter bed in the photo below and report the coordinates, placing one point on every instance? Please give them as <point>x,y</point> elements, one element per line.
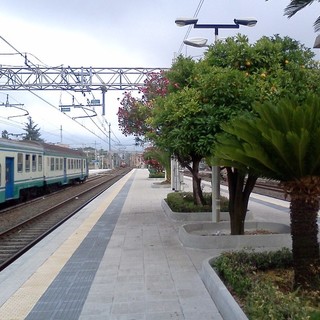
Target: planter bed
<point>209,235</point>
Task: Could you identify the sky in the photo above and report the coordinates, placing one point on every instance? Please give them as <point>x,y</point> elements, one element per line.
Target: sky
<point>117,34</point>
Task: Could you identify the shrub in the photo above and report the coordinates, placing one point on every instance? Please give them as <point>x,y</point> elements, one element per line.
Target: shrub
<point>265,301</point>
<point>262,299</point>
<point>156,175</point>
<point>183,202</point>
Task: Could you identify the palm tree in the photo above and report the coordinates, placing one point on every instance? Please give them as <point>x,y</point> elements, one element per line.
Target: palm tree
<point>162,157</point>
<point>297,5</point>
<point>282,143</point>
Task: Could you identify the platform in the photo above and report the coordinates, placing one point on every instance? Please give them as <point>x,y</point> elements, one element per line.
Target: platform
<point>119,258</point>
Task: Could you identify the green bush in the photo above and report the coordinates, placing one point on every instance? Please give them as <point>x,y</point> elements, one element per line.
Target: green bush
<point>156,175</point>
<point>183,202</point>
<point>262,299</point>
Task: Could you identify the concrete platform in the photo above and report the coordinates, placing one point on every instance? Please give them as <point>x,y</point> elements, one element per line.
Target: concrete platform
<point>121,258</point>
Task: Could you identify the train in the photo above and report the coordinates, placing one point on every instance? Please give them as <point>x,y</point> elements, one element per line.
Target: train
<point>30,168</point>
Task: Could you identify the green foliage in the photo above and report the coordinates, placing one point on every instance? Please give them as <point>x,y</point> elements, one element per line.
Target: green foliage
<point>5,134</point>
<point>281,142</point>
<point>32,132</point>
<point>158,159</point>
<point>184,202</point>
<point>184,124</point>
<point>158,175</point>
<point>267,302</point>
<point>235,267</point>
<point>275,67</point>
<point>263,300</point>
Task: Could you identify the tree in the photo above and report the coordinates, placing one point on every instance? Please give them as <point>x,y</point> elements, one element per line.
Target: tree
<point>134,111</point>
<point>32,132</point>
<point>269,70</point>
<point>297,5</point>
<point>282,143</point>
<point>5,134</point>
<point>158,159</point>
<point>183,122</point>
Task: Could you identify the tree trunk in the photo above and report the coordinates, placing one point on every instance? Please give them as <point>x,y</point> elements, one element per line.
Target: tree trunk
<point>196,181</point>
<point>305,246</point>
<point>239,193</point>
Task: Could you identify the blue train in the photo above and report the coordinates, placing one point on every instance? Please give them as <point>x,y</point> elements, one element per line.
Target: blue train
<point>27,168</point>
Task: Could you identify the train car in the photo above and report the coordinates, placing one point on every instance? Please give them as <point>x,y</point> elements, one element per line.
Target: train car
<point>63,165</point>
<point>27,167</point>
<point>20,168</point>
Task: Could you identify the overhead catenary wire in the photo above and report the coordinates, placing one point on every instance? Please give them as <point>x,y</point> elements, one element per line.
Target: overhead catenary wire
<point>30,64</point>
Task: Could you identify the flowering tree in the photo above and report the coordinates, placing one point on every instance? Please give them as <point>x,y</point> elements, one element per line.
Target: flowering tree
<point>134,111</point>
<point>149,157</point>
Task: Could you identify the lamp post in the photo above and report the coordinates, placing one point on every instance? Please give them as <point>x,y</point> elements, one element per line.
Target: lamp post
<point>200,43</point>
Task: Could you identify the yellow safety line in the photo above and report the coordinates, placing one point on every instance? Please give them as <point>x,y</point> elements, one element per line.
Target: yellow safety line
<point>23,300</point>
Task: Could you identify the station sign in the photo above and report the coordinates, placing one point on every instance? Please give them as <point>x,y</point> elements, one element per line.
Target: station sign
<point>65,109</point>
<point>95,101</point>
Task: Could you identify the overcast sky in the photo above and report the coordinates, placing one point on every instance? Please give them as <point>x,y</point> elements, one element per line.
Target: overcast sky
<point>119,33</point>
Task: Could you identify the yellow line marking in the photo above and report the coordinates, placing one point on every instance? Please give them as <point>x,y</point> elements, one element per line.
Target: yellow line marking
<point>19,305</point>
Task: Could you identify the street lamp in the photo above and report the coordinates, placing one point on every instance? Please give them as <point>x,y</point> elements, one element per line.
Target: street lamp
<point>196,42</point>
<point>199,43</point>
<point>248,22</point>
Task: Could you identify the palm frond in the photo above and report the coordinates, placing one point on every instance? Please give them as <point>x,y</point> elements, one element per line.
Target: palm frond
<point>295,6</point>
<point>317,24</point>
<point>282,142</point>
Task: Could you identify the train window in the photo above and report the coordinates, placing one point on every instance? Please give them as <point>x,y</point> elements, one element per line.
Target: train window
<point>61,163</point>
<point>34,162</point>
<point>52,164</point>
<point>39,162</point>
<point>57,163</point>
<point>27,162</point>
<point>69,164</point>
<point>20,162</point>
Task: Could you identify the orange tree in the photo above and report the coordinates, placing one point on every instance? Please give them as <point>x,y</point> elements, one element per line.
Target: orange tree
<point>271,69</point>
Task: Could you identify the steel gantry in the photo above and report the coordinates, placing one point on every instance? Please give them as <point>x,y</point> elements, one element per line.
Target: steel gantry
<point>78,79</point>
<point>83,79</point>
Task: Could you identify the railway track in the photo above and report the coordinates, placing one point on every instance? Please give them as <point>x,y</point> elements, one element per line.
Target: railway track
<point>263,187</point>
<point>20,237</point>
